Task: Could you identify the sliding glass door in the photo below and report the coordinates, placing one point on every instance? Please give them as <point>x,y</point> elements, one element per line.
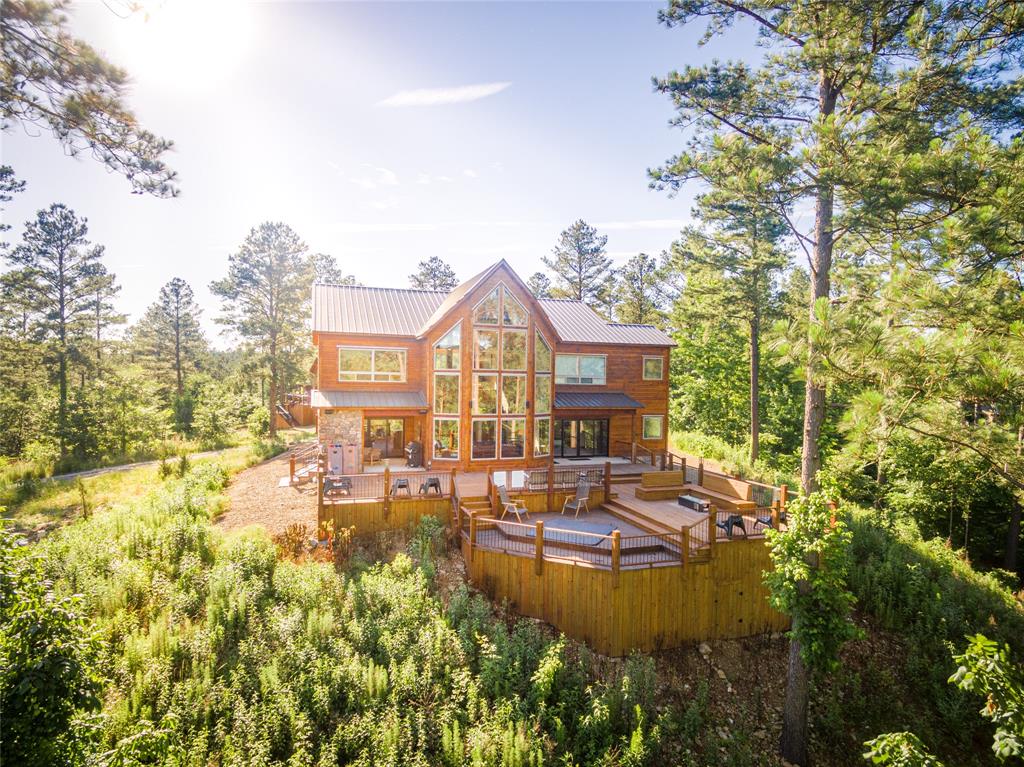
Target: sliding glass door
<point>584,438</point>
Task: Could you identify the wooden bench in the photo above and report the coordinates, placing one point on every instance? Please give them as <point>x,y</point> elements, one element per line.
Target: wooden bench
<point>660,485</point>
<point>726,493</point>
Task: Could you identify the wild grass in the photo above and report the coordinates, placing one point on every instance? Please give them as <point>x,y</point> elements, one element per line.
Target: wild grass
<point>215,651</point>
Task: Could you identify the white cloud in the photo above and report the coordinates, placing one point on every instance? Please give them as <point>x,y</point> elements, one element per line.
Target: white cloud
<point>432,97</point>
<point>376,177</point>
<point>643,223</point>
<point>469,173</point>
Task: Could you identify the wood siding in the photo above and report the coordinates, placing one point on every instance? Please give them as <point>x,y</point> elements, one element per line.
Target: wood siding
<point>644,609</point>
<point>373,516</point>
<point>624,373</point>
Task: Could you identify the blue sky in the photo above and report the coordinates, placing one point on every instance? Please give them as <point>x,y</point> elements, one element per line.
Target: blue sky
<point>383,133</point>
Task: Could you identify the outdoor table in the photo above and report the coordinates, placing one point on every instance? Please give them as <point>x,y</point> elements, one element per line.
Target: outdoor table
<point>337,486</point>
<point>431,483</point>
<point>402,483</point>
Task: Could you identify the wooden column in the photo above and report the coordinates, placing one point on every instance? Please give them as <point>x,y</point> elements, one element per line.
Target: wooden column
<point>607,481</point>
<point>538,553</point>
<point>551,482</point>
<point>712,529</point>
<point>291,467</point>
<point>684,540</point>
<point>682,467</point>
<point>784,496</point>
<point>632,455</point>
<point>616,550</point>
<point>776,517</point>
<point>671,462</point>
<point>472,534</point>
<point>387,490</point>
<point>319,497</point>
<point>700,472</point>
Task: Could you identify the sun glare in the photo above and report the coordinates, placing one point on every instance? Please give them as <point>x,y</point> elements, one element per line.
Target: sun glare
<point>186,44</point>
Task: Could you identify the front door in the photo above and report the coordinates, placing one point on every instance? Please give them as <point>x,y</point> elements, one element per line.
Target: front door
<point>583,438</point>
<point>386,435</point>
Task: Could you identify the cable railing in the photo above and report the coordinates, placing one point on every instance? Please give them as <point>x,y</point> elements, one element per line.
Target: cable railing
<point>385,485</point>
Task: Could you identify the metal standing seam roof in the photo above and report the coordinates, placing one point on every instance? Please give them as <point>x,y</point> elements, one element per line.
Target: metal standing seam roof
<point>401,312</point>
<point>372,311</point>
<point>575,322</point>
<point>367,398</point>
<point>585,400</point>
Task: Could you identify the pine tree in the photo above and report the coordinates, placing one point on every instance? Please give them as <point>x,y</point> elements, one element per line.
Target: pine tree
<point>327,272</point>
<point>265,300</point>
<point>61,271</point>
<point>433,274</point>
<point>851,96</point>
<point>640,297</point>
<point>171,342</point>
<point>540,285</point>
<point>738,255</point>
<point>582,269</point>
<point>104,314</point>
<point>51,80</point>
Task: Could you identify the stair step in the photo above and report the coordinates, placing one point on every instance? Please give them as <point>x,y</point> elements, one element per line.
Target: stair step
<point>632,516</point>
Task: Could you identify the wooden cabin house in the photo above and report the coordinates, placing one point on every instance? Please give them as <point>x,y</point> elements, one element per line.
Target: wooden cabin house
<point>484,377</point>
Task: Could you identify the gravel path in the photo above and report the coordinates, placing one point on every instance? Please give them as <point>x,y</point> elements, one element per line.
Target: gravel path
<point>255,499</point>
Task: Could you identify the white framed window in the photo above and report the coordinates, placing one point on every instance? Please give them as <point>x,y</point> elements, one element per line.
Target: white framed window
<point>513,437</point>
<point>541,437</point>
<point>654,426</point>
<point>542,393</point>
<point>487,310</point>
<point>446,393</point>
<point>485,393</point>
<point>654,368</point>
<point>446,438</point>
<point>513,394</point>
<point>541,354</point>
<point>447,350</point>
<point>485,439</point>
<point>362,363</point>
<point>590,369</point>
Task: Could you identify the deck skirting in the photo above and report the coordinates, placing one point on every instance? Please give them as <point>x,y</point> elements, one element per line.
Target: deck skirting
<point>645,608</point>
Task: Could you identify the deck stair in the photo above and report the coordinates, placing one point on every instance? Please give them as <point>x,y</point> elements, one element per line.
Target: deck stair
<point>635,517</point>
<point>304,462</point>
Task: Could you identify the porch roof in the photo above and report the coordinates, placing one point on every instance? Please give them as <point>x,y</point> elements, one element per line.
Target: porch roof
<point>367,398</point>
<point>595,400</point>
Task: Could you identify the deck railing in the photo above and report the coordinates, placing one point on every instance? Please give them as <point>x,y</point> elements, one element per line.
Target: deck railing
<point>385,485</point>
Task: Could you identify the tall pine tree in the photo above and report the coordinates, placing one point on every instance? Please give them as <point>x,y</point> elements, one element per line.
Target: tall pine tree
<point>265,300</point>
<point>61,274</point>
<point>433,274</point>
<point>640,296</point>
<point>581,266</point>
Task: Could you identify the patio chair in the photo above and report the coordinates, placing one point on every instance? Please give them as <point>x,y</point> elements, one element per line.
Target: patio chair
<point>765,520</point>
<point>508,505</point>
<point>581,499</point>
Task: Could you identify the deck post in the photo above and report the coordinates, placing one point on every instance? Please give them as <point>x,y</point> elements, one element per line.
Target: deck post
<point>712,529</point>
<point>700,472</point>
<point>454,472</point>
<point>551,483</point>
<point>291,468</point>
<point>607,481</point>
<point>671,461</point>
<point>319,497</point>
<point>632,455</point>
<point>538,553</point>
<point>776,517</point>
<point>684,542</point>
<point>784,496</point>
<point>682,467</point>
<point>616,551</point>
<point>472,534</point>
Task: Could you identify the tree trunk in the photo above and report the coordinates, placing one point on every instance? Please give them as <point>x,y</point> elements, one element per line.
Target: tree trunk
<point>793,745</point>
<point>62,355</point>
<point>814,400</point>
<point>177,346</point>
<point>755,386</point>
<point>272,393</point>
<point>1013,537</point>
